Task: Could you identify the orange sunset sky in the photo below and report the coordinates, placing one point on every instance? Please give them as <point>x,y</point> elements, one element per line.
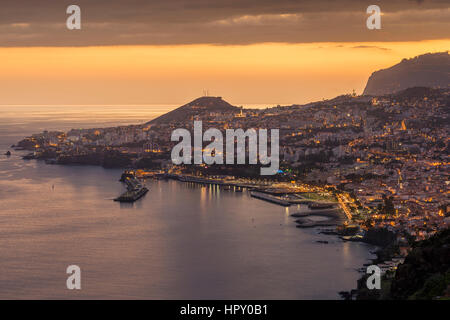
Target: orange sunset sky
<point>265,55</point>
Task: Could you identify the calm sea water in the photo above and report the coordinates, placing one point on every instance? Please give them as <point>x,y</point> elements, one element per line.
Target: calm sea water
<point>180,241</point>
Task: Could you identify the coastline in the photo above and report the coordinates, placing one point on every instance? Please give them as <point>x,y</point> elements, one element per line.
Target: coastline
<point>335,216</point>
<point>179,209</point>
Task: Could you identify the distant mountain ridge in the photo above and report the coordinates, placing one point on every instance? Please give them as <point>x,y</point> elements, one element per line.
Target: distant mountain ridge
<point>420,74</point>
<point>428,70</point>
<point>195,107</point>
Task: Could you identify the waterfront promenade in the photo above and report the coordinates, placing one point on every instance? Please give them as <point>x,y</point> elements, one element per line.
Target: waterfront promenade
<point>319,201</point>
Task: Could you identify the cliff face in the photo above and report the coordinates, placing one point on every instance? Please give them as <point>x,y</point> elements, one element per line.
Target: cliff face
<point>428,70</point>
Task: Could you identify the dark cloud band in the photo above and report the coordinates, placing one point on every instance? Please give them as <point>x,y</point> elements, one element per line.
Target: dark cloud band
<point>138,22</point>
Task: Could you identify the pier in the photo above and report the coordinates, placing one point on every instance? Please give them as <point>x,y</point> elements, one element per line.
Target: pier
<point>270,198</point>
<point>304,220</point>
<point>135,190</point>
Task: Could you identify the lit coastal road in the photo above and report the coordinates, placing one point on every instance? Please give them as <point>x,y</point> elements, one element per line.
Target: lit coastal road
<point>344,207</point>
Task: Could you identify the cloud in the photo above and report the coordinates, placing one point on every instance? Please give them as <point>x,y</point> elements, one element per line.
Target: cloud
<point>371,47</point>
<point>20,25</point>
<point>172,22</point>
<point>259,20</point>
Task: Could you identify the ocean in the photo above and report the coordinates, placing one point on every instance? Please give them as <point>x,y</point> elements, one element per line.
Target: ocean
<point>181,241</point>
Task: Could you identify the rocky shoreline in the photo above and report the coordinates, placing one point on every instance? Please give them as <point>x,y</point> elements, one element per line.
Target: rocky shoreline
<point>384,239</point>
<point>424,274</point>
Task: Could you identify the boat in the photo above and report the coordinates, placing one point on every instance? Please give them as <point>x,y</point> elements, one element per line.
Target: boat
<point>8,153</point>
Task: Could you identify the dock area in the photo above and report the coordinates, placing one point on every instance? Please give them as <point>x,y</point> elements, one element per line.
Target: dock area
<point>269,198</point>
<point>135,190</point>
<point>281,193</point>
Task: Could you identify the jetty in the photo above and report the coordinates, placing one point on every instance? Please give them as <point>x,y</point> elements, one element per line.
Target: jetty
<point>132,196</point>
<point>305,219</point>
<point>269,198</point>
<point>135,190</point>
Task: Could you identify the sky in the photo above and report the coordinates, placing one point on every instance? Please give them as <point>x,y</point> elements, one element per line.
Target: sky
<point>168,52</point>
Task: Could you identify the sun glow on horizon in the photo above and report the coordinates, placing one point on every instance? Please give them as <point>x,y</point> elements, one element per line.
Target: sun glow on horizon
<point>148,75</point>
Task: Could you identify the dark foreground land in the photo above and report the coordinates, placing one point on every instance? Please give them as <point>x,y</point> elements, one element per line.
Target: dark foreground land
<point>424,275</point>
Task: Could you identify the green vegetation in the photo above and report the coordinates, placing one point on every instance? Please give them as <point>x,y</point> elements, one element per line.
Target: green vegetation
<point>318,197</point>
<point>425,274</point>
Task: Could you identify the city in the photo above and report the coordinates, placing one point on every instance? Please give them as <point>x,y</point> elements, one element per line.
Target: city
<point>202,154</point>
<point>387,156</point>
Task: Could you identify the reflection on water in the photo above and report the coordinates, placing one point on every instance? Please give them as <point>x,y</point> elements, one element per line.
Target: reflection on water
<point>180,241</point>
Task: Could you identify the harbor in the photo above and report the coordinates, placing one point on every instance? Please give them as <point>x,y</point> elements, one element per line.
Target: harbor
<point>157,239</point>
<point>281,193</point>
<point>323,209</point>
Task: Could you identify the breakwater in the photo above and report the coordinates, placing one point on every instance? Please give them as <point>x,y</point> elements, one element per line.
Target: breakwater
<point>135,190</point>
<point>269,198</point>
<point>306,219</point>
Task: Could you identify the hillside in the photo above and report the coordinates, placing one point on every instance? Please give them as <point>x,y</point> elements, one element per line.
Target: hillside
<point>196,107</point>
<point>425,274</point>
<point>428,70</point>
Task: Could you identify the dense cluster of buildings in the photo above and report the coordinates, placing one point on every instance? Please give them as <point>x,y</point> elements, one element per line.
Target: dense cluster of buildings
<point>389,155</point>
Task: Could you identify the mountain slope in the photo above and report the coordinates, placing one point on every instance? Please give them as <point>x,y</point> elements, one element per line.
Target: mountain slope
<point>196,107</point>
<point>425,273</point>
<point>428,70</point>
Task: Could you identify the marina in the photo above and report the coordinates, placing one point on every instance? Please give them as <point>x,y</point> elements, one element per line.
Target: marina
<point>281,193</point>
